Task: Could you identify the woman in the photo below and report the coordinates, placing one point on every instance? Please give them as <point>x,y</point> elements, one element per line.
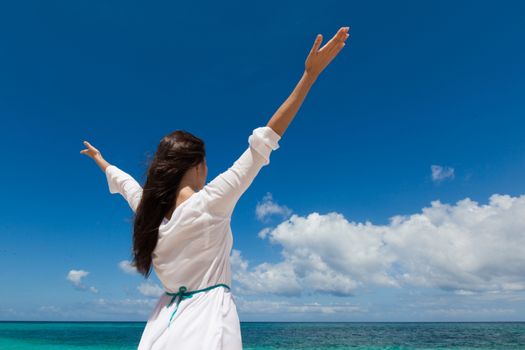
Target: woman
<point>182,225</point>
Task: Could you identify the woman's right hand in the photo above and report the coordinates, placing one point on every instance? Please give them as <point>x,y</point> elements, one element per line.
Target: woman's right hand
<point>317,60</point>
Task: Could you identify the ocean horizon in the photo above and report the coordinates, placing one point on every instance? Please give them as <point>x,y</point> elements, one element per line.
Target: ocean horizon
<point>406,335</point>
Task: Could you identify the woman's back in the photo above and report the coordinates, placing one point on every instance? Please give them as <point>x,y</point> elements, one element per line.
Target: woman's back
<point>193,247</point>
<point>193,251</point>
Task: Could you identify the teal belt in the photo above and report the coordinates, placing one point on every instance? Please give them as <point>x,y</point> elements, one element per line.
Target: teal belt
<point>184,294</point>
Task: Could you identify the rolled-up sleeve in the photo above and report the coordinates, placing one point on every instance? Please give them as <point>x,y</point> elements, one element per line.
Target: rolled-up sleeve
<point>223,192</point>
<point>123,183</point>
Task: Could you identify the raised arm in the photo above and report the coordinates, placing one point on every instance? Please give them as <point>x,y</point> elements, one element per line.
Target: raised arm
<point>123,183</point>
<point>224,191</point>
<point>118,180</point>
<point>316,62</point>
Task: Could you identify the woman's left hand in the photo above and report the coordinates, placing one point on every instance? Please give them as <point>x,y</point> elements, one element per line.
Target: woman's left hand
<point>91,151</point>
<point>317,60</point>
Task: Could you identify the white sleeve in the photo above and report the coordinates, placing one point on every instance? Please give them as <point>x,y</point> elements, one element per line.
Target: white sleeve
<point>223,192</point>
<point>121,182</point>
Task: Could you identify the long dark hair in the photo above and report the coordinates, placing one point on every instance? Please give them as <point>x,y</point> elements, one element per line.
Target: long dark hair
<point>176,153</point>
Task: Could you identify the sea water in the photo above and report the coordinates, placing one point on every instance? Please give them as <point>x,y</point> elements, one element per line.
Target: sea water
<point>278,335</point>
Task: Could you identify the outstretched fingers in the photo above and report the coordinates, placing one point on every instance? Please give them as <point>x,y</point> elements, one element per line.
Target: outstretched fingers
<point>337,39</point>
<point>318,59</point>
<point>317,43</point>
<point>90,151</point>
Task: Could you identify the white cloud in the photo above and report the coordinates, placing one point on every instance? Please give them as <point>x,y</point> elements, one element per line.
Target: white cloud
<point>127,267</point>
<point>76,276</point>
<point>264,232</point>
<point>464,292</point>
<point>465,311</point>
<point>440,173</point>
<point>265,278</point>
<point>237,262</point>
<point>99,309</point>
<point>126,305</point>
<point>150,289</point>
<point>49,309</point>
<point>264,306</point>
<point>269,207</point>
<point>464,248</point>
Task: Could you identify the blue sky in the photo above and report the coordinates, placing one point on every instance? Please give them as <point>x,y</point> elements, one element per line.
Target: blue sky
<point>423,105</point>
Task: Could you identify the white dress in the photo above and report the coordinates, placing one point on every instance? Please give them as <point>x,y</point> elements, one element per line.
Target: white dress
<point>193,251</point>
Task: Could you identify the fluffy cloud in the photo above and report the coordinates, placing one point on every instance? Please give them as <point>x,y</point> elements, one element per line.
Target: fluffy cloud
<point>467,246</point>
<point>126,267</point>
<point>263,306</point>
<point>278,279</point>
<point>129,306</point>
<point>150,289</point>
<point>269,207</point>
<point>76,276</point>
<point>99,309</point>
<point>463,248</point>
<point>440,173</point>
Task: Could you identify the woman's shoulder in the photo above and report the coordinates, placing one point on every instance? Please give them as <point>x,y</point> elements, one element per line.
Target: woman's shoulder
<point>194,213</point>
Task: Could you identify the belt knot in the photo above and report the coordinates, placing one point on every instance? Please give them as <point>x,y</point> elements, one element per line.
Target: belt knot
<point>183,293</point>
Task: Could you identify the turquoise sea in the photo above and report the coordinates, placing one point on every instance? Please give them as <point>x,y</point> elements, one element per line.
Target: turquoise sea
<point>277,335</point>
